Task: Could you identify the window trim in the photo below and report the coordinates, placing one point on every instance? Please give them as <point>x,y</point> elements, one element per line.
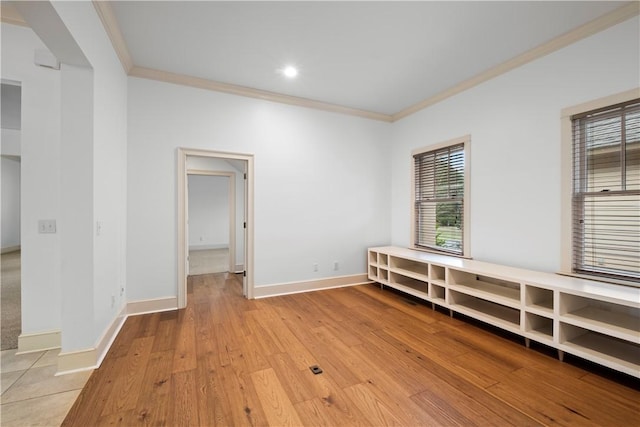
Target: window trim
<point>566,146</point>
<point>466,206</point>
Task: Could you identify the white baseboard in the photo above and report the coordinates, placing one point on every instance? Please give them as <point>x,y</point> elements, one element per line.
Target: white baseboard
<point>77,361</point>
<point>309,285</point>
<point>40,341</point>
<point>239,268</point>
<point>9,249</point>
<point>207,247</point>
<point>91,358</point>
<point>152,305</point>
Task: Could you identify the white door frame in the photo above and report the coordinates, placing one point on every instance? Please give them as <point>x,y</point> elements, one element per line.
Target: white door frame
<point>182,251</point>
<point>232,212</point>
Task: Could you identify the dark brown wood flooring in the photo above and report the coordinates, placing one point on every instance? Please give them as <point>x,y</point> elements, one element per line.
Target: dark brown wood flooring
<point>386,360</point>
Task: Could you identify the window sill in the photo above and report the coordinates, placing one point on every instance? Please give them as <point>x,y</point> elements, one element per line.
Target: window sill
<point>602,279</point>
<point>431,251</point>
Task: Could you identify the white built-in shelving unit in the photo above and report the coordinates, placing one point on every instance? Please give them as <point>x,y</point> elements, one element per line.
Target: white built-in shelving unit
<point>597,321</point>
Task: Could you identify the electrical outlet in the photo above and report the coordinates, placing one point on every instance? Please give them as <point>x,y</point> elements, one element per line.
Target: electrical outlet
<point>315,267</point>
<point>113,300</point>
<point>46,226</point>
<point>336,266</point>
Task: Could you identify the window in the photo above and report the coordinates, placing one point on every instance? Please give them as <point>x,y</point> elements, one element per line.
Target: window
<point>606,191</point>
<point>440,211</point>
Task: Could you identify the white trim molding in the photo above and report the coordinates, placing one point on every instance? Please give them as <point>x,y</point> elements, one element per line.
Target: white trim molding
<point>39,341</point>
<point>91,358</point>
<point>152,306</point>
<point>608,20</point>
<point>197,82</point>
<point>110,24</point>
<point>77,361</point>
<point>9,249</point>
<point>288,288</point>
<point>10,15</point>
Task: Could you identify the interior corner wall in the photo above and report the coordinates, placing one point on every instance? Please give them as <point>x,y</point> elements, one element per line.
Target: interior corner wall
<point>321,183</point>
<point>514,123</point>
<point>40,177</point>
<point>108,158</point>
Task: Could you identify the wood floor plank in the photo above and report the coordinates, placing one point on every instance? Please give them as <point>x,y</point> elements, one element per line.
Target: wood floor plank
<point>155,393</point>
<point>166,335</point>
<point>185,356</point>
<point>185,399</point>
<point>296,382</point>
<point>211,411</point>
<point>387,360</point>
<point>126,390</point>
<point>583,401</point>
<point>240,397</point>
<point>314,413</point>
<point>274,400</point>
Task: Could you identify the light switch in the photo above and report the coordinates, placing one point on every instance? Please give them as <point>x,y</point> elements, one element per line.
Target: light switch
<point>46,226</point>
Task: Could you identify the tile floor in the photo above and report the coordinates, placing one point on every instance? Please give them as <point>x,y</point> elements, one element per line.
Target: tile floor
<point>31,393</point>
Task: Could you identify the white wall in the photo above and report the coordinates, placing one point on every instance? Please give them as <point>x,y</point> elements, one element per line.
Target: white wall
<point>40,183</point>
<point>208,212</point>
<point>107,159</point>
<point>514,123</point>
<point>91,159</point>
<point>10,202</point>
<point>321,182</point>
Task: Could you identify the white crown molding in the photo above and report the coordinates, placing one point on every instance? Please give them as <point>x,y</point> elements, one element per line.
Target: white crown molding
<point>10,15</point>
<point>110,24</point>
<point>109,21</point>
<point>617,16</point>
<point>181,79</point>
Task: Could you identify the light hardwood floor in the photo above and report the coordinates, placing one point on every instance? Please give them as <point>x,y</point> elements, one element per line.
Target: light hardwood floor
<point>225,360</point>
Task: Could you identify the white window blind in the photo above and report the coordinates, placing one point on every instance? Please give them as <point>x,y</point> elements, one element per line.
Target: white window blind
<point>606,192</point>
<point>439,199</point>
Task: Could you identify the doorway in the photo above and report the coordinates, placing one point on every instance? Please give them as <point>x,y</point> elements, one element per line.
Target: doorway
<point>10,258</point>
<point>239,170</point>
<point>211,221</point>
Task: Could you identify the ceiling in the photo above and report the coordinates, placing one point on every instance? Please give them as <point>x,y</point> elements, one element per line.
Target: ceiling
<point>376,56</point>
<point>381,59</point>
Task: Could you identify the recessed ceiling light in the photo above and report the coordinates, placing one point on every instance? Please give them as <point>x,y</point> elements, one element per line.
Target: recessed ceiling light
<point>290,71</point>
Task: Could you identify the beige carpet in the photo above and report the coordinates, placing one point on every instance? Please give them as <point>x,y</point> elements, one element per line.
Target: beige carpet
<point>208,261</point>
<point>10,300</point>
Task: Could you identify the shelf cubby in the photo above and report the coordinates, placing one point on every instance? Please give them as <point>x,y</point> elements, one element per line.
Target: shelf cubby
<point>487,311</point>
<point>409,285</point>
<point>500,291</point>
<point>417,270</point>
<point>437,274</point>
<point>539,299</point>
<point>539,326</point>
<point>373,272</point>
<point>437,293</point>
<point>607,350</point>
<point>383,275</point>
<point>373,257</point>
<point>383,260</point>
<point>601,316</point>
